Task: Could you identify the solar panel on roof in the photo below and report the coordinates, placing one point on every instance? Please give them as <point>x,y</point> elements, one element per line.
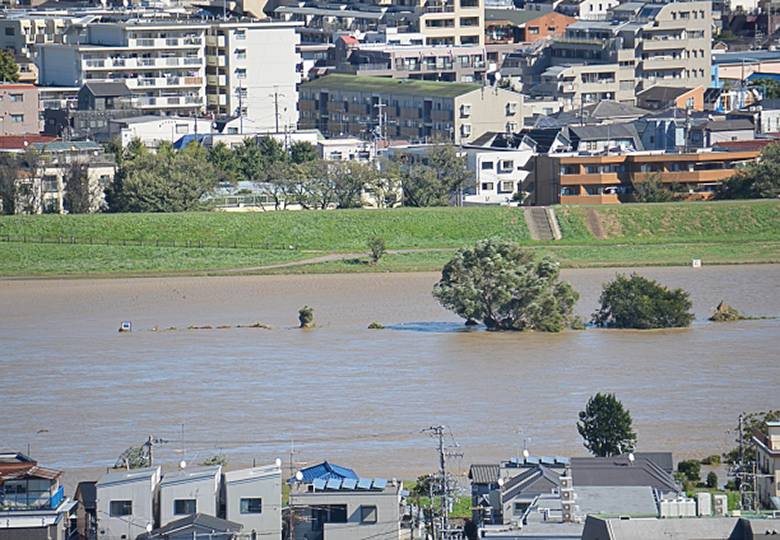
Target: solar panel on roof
<point>349,483</point>
<point>319,483</point>
<point>547,460</point>
<point>562,460</point>
<point>364,483</point>
<point>532,460</point>
<point>380,483</point>
<point>334,483</point>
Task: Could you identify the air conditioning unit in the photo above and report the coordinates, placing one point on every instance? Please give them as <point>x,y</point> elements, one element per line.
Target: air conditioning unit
<point>568,511</point>
<point>567,494</point>
<point>720,505</point>
<point>566,482</point>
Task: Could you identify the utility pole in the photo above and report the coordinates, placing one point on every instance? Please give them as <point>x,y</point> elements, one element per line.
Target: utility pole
<point>438,432</point>
<point>379,131</point>
<point>276,95</point>
<point>240,92</point>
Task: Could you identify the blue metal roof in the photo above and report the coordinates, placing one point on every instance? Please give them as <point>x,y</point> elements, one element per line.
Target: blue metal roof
<point>326,471</point>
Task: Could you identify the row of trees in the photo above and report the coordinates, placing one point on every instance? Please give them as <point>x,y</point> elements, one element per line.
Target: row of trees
<point>178,180</point>
<point>505,286</point>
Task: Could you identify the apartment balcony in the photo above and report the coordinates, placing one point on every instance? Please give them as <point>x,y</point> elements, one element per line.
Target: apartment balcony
<point>42,501</point>
<point>438,9</point>
<point>597,179</point>
<point>215,61</point>
<point>663,44</point>
<point>98,64</point>
<point>307,123</point>
<point>336,106</point>
<point>163,43</point>
<point>689,177</point>
<point>410,132</point>
<point>165,102</point>
<point>441,116</point>
<point>215,41</point>
<point>410,112</point>
<point>217,99</point>
<point>216,80</point>
<point>358,108</point>
<point>159,82</point>
<point>307,105</point>
<point>660,63</point>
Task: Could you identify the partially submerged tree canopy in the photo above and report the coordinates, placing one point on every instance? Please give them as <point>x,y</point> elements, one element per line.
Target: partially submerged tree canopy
<point>638,302</point>
<point>606,426</point>
<point>505,286</point>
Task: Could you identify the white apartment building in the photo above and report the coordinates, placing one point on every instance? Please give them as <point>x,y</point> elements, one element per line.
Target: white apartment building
<point>163,64</point>
<point>189,491</point>
<point>253,66</point>
<point>187,67</point>
<point>125,503</point>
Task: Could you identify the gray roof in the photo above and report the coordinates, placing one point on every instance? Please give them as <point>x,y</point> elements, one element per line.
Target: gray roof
<point>537,480</point>
<point>662,459</point>
<point>484,474</point>
<point>741,124</point>
<point>606,132</point>
<point>616,500</point>
<point>518,17</point>
<point>199,521</point>
<point>406,87</point>
<point>108,89</point>
<point>653,529</point>
<point>124,475</point>
<point>663,93</point>
<point>618,471</point>
<point>612,109</point>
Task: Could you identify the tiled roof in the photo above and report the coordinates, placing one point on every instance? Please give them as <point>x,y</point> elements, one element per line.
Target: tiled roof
<point>618,471</point>
<point>201,521</point>
<point>663,93</point>
<point>743,146</point>
<point>484,474</point>
<point>326,471</point>
<point>17,142</point>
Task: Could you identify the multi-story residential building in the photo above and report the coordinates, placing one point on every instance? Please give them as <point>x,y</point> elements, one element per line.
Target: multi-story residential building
<point>639,46</point>
<point>457,22</point>
<point>514,25</point>
<point>572,178</point>
<point>161,63</point>
<point>126,503</point>
<point>251,70</point>
<point>406,109</point>
<point>253,498</point>
<point>189,491</point>
<point>187,67</point>
<point>18,109</point>
<point>21,32</point>
<point>768,464</point>
<point>431,63</point>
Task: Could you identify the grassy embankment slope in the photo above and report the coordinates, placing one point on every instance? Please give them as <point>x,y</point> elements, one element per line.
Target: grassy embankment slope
<point>627,235</point>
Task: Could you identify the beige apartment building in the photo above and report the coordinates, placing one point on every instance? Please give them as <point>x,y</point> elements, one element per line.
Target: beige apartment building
<point>412,110</point>
<point>452,22</point>
<point>20,32</point>
<point>640,46</point>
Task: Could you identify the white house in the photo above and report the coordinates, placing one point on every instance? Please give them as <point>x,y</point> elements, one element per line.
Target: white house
<point>189,491</point>
<point>498,174</point>
<point>125,503</point>
<point>253,498</point>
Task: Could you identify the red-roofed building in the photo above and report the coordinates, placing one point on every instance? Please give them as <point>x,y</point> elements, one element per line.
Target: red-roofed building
<point>19,143</point>
<point>19,109</point>
<point>743,146</point>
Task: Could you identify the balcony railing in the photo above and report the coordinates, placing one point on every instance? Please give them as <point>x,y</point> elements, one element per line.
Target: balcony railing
<point>32,502</point>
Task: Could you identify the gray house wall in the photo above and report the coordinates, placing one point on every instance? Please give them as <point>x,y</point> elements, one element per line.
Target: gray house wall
<point>264,483</point>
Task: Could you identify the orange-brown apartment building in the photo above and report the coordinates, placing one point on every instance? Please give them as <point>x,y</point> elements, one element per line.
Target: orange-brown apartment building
<point>514,26</point>
<point>607,179</point>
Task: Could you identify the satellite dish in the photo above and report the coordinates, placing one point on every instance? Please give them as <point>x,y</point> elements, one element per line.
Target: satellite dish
<point>526,454</point>
<point>182,464</point>
<point>148,527</point>
<point>299,476</point>
<point>631,457</point>
<point>500,482</point>
<point>278,462</point>
<point>498,76</point>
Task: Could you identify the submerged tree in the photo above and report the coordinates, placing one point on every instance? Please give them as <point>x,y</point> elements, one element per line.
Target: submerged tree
<point>638,302</point>
<point>505,286</point>
<point>306,317</point>
<point>606,426</point>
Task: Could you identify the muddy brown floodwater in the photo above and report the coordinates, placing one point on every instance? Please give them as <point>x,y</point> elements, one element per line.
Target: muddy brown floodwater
<point>77,393</point>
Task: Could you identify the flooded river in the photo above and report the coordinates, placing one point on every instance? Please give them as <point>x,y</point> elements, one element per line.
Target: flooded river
<point>76,392</point>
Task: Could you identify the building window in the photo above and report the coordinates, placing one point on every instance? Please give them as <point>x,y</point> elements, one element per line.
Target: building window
<point>10,31</point>
<point>17,98</point>
<point>240,34</point>
<point>241,73</point>
<point>533,30</point>
<point>466,129</point>
<point>368,514</point>
<point>252,506</point>
<point>506,186</point>
<point>506,165</point>
<point>184,507</point>
<point>487,165</point>
<point>487,186</point>
<point>17,118</point>
<point>121,508</point>
<point>465,110</point>
<point>241,54</point>
<point>332,513</point>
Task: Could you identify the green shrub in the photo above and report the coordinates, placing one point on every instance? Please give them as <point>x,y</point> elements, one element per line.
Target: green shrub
<point>712,480</point>
<point>691,468</point>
